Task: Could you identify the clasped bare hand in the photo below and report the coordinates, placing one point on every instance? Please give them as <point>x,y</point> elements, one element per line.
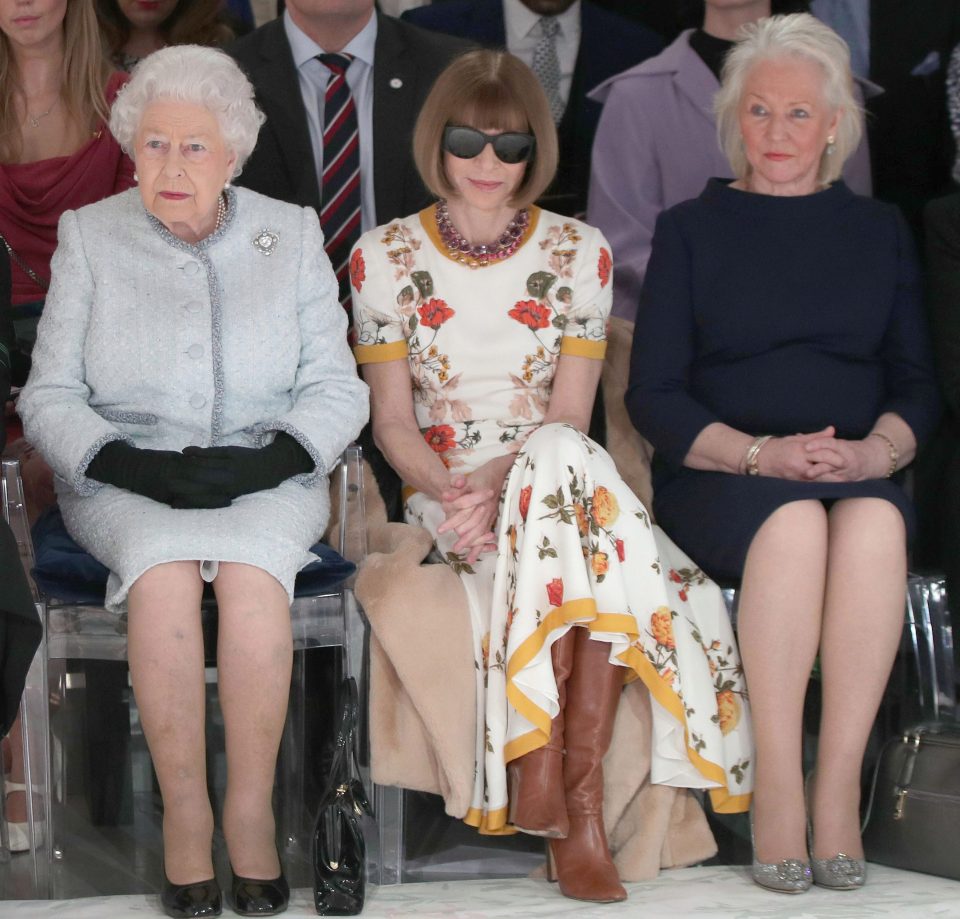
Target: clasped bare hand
<point>821,456</point>
<point>471,504</point>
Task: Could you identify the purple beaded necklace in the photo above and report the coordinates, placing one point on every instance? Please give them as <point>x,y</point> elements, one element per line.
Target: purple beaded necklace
<point>480,256</point>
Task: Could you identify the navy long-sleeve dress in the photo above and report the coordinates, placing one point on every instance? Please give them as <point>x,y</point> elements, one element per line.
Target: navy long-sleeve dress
<point>774,315</point>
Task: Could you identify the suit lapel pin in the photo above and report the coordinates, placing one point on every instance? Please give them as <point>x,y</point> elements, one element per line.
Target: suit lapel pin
<point>265,242</point>
<point>396,83</point>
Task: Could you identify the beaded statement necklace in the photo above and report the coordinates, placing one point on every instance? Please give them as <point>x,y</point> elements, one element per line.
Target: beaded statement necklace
<point>480,256</point>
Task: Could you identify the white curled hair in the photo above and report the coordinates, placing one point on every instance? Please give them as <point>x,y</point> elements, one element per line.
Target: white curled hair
<point>799,35</point>
<point>197,75</point>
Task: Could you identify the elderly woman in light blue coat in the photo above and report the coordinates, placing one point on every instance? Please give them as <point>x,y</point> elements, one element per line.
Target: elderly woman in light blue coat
<point>191,388</point>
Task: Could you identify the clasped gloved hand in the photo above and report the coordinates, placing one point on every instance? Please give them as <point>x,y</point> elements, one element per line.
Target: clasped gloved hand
<point>244,470</point>
<point>161,475</point>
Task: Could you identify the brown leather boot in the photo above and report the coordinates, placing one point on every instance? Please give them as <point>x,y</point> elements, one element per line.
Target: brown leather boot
<point>582,861</point>
<point>537,799</point>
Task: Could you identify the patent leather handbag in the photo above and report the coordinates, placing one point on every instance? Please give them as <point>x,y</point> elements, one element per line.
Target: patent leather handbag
<point>913,818</point>
<point>339,852</point>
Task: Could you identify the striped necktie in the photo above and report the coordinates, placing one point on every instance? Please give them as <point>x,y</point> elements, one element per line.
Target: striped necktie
<point>340,191</point>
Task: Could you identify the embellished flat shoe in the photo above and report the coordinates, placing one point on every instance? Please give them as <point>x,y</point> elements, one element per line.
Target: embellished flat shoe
<point>255,897</point>
<point>789,875</point>
<point>189,901</point>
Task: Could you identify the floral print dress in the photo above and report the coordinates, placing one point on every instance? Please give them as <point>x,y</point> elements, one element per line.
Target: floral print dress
<point>575,546</point>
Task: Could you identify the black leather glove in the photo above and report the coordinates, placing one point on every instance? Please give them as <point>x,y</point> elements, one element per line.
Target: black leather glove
<point>250,469</point>
<point>161,475</point>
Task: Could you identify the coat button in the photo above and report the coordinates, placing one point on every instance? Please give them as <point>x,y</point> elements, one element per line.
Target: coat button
<point>191,268</point>
<point>193,306</point>
<point>198,400</point>
<point>195,351</point>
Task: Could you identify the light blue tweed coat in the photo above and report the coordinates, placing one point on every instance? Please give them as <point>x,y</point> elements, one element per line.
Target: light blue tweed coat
<point>149,339</point>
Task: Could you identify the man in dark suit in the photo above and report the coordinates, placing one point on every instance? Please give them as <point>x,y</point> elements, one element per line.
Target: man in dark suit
<point>606,44</point>
<point>904,47</point>
<point>393,67</point>
<point>405,62</point>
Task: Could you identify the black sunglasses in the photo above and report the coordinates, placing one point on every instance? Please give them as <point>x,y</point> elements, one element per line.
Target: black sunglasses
<point>466,143</point>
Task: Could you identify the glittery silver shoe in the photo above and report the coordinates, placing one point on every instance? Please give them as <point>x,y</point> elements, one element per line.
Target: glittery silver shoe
<point>839,873</point>
<point>790,875</point>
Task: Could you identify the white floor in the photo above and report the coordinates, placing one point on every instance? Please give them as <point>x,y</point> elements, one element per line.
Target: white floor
<point>720,893</point>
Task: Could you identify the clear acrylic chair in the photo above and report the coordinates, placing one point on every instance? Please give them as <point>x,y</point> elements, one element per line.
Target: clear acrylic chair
<point>79,682</point>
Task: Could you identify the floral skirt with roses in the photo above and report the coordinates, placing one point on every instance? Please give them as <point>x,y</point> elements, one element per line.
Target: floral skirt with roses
<point>577,548</point>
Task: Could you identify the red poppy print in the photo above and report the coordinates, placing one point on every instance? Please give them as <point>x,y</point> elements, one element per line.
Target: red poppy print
<point>604,264</point>
<point>525,501</point>
<point>440,437</point>
<point>358,270</point>
<point>532,314</point>
<point>434,313</point>
<point>621,553</point>
<point>675,577</point>
<point>555,592</point>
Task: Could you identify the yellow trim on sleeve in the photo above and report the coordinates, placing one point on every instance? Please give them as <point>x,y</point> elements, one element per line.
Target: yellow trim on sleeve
<point>380,354</point>
<point>580,347</point>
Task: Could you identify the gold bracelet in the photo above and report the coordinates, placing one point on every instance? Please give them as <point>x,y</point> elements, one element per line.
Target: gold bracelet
<point>751,465</point>
<point>891,449</point>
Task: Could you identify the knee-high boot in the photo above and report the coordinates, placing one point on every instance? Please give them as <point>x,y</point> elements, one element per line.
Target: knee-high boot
<point>537,798</point>
<point>582,862</point>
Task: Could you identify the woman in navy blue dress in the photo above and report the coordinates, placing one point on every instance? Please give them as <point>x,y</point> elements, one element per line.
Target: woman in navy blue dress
<point>781,370</point>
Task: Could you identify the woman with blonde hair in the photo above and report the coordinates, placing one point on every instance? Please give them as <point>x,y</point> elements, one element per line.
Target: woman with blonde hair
<point>133,29</point>
<point>480,325</point>
<point>55,153</point>
<point>782,372</point>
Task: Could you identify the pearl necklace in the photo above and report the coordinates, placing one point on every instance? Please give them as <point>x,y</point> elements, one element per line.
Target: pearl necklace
<point>221,210</point>
<point>480,256</point>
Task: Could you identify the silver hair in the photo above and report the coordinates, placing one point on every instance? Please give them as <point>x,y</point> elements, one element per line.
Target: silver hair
<point>798,35</point>
<point>197,75</point>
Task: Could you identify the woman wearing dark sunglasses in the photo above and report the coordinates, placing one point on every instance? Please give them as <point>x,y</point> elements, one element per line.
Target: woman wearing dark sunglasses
<point>480,325</point>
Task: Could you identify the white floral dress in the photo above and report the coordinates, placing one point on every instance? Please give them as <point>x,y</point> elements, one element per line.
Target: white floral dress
<point>575,546</point>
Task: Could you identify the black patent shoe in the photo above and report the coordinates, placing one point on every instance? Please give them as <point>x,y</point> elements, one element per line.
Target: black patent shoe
<point>253,897</point>
<point>190,901</point>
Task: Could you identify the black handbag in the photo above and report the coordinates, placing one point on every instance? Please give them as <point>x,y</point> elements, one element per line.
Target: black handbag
<point>339,852</point>
<point>913,818</point>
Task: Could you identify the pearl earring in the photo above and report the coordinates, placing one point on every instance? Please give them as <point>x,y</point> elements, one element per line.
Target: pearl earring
<point>831,145</point>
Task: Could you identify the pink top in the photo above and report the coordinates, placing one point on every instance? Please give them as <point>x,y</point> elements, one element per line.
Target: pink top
<point>34,195</point>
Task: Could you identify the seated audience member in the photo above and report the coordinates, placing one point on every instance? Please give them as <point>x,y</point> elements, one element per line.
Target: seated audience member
<point>943,261</point>
<point>382,69</point>
<point>782,372</point>
<point>903,48</point>
<point>55,154</point>
<point>377,71</point>
<point>480,325</point>
<point>133,29</point>
<point>199,451</point>
<point>572,46</point>
<point>657,141</point>
<point>19,625</point>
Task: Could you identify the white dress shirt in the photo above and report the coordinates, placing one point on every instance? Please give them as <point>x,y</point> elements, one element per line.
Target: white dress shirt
<point>523,32</point>
<point>313,87</point>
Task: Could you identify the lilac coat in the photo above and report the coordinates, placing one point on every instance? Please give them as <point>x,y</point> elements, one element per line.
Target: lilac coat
<point>656,145</point>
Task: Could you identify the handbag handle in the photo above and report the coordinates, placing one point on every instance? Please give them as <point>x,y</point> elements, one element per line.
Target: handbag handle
<point>344,768</point>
